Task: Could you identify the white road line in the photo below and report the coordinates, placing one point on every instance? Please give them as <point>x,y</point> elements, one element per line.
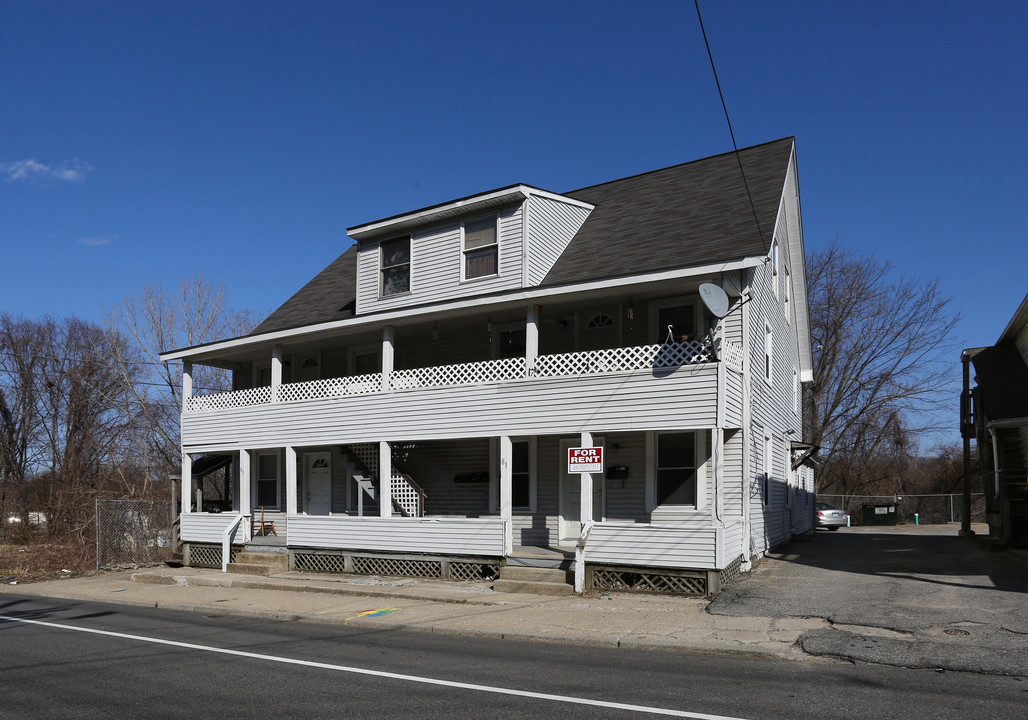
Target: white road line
<point>381,673</point>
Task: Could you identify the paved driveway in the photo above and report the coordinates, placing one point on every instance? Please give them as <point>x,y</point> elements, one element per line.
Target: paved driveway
<point>907,595</point>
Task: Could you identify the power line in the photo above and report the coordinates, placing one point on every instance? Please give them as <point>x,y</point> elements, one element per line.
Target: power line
<point>731,132</point>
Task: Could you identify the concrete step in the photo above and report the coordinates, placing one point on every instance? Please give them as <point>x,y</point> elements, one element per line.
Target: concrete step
<point>533,574</point>
<point>250,569</point>
<point>275,562</point>
<point>533,588</point>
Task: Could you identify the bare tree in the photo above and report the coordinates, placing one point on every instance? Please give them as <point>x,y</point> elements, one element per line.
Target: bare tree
<point>155,319</point>
<point>882,345</point>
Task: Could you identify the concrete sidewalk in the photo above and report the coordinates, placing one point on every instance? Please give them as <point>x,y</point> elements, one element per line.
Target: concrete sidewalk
<point>904,597</point>
<point>617,620</point>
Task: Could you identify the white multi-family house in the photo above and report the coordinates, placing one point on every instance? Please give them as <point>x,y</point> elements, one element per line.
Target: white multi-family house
<point>411,410</point>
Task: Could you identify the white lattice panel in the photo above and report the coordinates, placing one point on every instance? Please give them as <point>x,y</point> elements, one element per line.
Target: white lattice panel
<point>732,354</point>
<point>330,387</point>
<point>643,357</point>
<point>462,374</point>
<point>224,401</point>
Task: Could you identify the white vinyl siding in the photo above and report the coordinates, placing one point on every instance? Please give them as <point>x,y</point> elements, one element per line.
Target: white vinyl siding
<point>617,402</point>
<point>437,266</point>
<point>458,536</point>
<point>552,225</point>
<point>669,546</point>
<point>208,527</point>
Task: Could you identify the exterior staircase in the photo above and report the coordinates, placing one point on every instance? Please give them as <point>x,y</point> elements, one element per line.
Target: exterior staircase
<point>264,562</point>
<point>407,497</point>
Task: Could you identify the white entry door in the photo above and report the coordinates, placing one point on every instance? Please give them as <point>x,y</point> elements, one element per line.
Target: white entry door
<point>318,482</point>
<point>571,494</point>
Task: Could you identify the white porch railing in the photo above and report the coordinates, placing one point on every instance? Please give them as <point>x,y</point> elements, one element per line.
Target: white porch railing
<point>329,387</point>
<point>643,357</point>
<point>627,359</point>
<point>461,374</point>
<point>227,400</point>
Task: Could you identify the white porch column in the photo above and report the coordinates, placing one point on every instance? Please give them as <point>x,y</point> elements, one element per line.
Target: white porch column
<point>587,485</point>
<point>506,512</point>
<point>187,383</point>
<point>387,356</point>
<point>276,371</point>
<point>586,515</point>
<point>290,481</point>
<point>385,474</point>
<point>245,490</point>
<point>187,481</point>
<point>531,339</point>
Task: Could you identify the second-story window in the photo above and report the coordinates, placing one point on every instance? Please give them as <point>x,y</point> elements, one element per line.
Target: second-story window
<point>395,266</point>
<point>481,251</point>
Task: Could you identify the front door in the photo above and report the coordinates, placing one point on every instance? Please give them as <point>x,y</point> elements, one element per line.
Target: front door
<point>571,494</point>
<point>318,482</point>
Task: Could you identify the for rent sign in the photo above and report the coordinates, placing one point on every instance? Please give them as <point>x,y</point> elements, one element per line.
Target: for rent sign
<point>585,460</point>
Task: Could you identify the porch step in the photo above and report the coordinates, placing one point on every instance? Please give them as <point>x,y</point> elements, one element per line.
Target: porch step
<point>533,581</point>
<point>259,563</point>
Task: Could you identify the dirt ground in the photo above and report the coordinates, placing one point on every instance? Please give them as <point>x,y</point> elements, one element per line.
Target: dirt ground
<point>42,561</point>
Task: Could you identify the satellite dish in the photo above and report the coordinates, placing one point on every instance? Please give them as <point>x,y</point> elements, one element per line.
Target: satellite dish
<point>715,299</point>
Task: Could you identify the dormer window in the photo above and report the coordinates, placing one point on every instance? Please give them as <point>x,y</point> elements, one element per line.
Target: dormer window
<point>481,251</point>
<point>395,266</point>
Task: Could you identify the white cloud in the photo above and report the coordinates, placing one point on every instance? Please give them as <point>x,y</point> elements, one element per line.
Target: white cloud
<point>31,169</point>
<point>98,241</point>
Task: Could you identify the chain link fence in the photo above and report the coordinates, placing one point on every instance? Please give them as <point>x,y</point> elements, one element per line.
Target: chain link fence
<point>133,532</point>
<point>930,509</point>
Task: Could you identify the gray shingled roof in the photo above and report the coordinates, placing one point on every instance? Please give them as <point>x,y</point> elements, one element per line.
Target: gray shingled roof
<point>329,296</point>
<point>685,215</point>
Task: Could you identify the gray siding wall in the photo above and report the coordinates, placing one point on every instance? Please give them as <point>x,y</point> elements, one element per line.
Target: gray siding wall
<point>552,224</point>
<point>437,266</point>
<point>772,404</point>
<point>207,527</point>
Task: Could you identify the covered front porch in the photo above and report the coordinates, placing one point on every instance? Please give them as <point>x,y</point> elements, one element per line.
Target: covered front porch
<point>480,500</point>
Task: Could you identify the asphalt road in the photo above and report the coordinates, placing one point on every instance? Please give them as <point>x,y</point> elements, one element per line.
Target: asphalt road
<point>72,659</point>
<point>909,596</point>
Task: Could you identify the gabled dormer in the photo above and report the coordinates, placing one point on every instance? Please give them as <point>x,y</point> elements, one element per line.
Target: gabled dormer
<point>499,241</point>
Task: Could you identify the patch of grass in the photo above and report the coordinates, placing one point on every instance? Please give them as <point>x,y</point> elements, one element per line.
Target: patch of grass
<point>38,562</point>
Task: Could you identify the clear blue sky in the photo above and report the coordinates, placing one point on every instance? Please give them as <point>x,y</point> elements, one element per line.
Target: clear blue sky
<point>145,140</point>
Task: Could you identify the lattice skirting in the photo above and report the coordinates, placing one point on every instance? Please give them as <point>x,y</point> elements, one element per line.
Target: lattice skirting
<point>733,571</point>
<point>681,582</point>
<point>208,555</point>
<point>397,566</point>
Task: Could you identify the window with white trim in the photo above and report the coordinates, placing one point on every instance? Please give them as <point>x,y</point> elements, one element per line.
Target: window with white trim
<point>787,473</point>
<point>267,481</point>
<point>768,352</point>
<point>520,475</point>
<point>394,264</point>
<point>787,304</point>
<point>795,391</point>
<point>675,471</point>
<point>480,248</point>
<point>765,477</point>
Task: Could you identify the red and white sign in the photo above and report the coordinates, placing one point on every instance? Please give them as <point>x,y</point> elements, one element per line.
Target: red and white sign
<point>585,460</point>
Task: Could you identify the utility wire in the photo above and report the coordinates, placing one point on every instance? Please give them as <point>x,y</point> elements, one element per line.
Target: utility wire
<point>731,132</point>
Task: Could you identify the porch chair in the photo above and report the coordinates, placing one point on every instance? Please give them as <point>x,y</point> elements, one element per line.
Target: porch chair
<point>262,527</point>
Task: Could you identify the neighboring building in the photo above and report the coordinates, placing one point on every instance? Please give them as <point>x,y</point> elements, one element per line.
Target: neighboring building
<point>451,357</point>
<point>997,417</point>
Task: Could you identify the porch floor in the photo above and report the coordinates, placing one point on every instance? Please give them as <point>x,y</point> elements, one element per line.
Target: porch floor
<point>541,556</point>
